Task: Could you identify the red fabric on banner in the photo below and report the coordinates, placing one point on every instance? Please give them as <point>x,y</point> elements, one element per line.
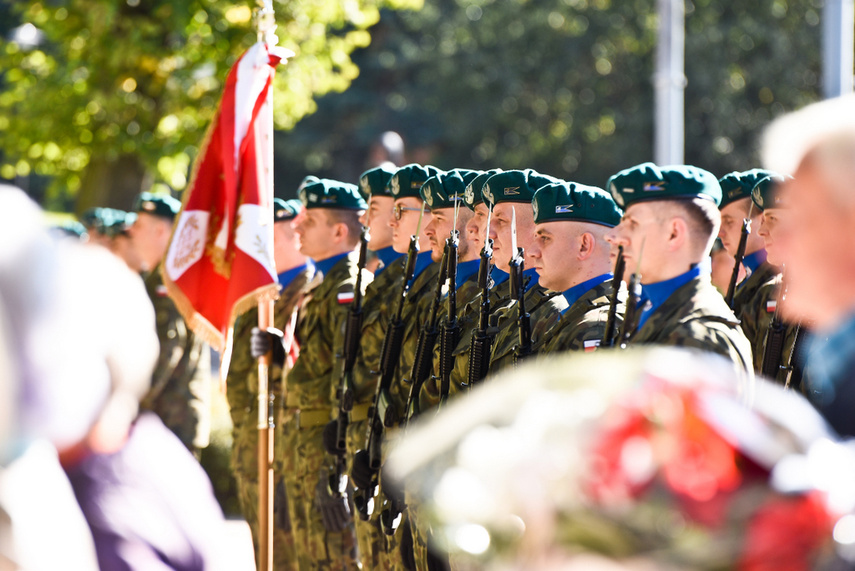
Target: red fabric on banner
<point>220,257</point>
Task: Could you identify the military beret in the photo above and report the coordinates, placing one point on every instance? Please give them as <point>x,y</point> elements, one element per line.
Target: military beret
<point>119,222</point>
<point>376,181</point>
<point>514,186</point>
<point>91,217</point>
<point>575,202</point>
<point>328,193</point>
<point>472,195</point>
<point>650,182</point>
<point>307,180</point>
<point>71,228</point>
<point>157,205</point>
<point>286,209</point>
<point>738,185</point>
<point>443,190</point>
<point>766,193</point>
<point>408,180</point>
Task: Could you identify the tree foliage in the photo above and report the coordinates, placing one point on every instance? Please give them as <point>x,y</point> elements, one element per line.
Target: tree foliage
<point>133,84</point>
<point>561,86</point>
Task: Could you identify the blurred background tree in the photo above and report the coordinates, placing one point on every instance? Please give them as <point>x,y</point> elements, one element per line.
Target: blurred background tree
<point>109,97</point>
<point>563,86</point>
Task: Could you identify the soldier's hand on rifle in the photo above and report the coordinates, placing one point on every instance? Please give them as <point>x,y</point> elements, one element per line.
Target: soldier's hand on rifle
<point>331,439</point>
<point>261,342</point>
<point>361,472</point>
<point>333,506</point>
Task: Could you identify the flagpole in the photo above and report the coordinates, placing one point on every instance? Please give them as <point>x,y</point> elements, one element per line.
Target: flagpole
<point>266,26</point>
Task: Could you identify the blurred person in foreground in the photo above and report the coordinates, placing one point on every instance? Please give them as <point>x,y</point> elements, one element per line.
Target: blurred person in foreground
<point>180,390</point>
<point>816,145</point>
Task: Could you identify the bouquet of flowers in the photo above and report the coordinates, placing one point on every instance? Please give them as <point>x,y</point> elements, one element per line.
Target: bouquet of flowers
<point>660,459</point>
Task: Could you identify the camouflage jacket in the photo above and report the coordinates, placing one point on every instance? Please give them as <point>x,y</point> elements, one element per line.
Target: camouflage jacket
<point>751,306</point>
<point>242,380</point>
<point>379,303</point>
<point>583,325</point>
<point>766,300</point>
<point>544,307</point>
<point>468,317</point>
<point>180,392</point>
<point>696,316</point>
<point>311,383</point>
<point>416,310</point>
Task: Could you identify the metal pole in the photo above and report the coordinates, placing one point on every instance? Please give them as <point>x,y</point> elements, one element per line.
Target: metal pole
<point>838,47</point>
<point>669,83</point>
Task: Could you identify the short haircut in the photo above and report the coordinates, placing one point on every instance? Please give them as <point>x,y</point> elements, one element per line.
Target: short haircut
<point>349,218</point>
<point>703,218</point>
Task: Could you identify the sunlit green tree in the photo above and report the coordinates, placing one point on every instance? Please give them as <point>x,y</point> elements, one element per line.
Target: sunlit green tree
<point>117,94</point>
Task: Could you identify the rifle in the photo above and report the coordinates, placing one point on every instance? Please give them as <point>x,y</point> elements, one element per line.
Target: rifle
<point>794,365</point>
<point>382,413</point>
<point>773,347</point>
<point>482,342</point>
<point>630,320</point>
<point>517,282</point>
<point>620,267</point>
<point>451,327</point>
<point>344,393</point>
<point>427,340</point>
<point>740,255</point>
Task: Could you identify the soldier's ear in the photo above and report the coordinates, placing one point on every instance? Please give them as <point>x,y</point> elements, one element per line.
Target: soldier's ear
<point>587,244</point>
<point>678,232</point>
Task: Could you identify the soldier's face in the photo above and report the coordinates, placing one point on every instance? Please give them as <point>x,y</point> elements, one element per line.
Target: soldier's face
<point>551,255</point>
<point>440,227</point>
<point>500,231</point>
<point>408,224</point>
<point>477,225</point>
<point>641,228</point>
<point>316,233</point>
<point>730,232</point>
<point>776,231</point>
<point>377,218</point>
<point>150,238</point>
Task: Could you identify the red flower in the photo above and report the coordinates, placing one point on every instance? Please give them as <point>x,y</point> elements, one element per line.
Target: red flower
<point>785,533</point>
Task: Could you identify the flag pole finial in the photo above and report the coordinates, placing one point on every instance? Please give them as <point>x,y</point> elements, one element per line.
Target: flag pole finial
<point>265,22</point>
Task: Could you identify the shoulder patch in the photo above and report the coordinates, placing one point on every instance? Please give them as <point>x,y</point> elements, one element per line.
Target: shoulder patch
<point>591,345</point>
<point>161,291</point>
<point>771,306</point>
<point>344,297</point>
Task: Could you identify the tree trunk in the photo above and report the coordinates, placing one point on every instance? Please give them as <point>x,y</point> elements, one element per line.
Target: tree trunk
<point>112,182</point>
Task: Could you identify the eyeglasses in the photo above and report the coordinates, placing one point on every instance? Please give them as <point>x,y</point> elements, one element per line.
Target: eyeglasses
<point>399,210</point>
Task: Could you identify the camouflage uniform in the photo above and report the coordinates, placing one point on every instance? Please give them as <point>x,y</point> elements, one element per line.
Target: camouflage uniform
<point>543,306</point>
<point>583,321</point>
<point>242,393</point>
<point>750,305</point>
<point>309,389</point>
<point>766,300</point>
<point>180,391</point>
<point>696,316</point>
<point>378,305</point>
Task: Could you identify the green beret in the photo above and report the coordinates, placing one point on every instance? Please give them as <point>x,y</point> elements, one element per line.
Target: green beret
<point>514,186</point>
<point>444,189</point>
<point>307,180</point>
<point>571,201</point>
<point>71,228</point>
<point>157,205</point>
<point>376,181</point>
<point>119,222</point>
<point>328,193</point>
<point>650,182</point>
<point>766,193</point>
<point>408,180</point>
<point>738,185</point>
<point>286,209</point>
<point>472,195</point>
<point>91,217</point>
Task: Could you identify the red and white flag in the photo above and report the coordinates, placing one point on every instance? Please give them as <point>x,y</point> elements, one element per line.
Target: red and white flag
<point>220,256</point>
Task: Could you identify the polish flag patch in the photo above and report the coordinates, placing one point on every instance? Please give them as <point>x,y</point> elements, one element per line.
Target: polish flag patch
<point>161,291</point>
<point>345,297</point>
<point>771,306</point>
<point>591,345</point>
